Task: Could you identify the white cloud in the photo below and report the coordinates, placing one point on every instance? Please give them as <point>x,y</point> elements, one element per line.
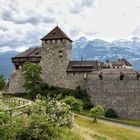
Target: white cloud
<point>24,22</point>
<point>78,6</point>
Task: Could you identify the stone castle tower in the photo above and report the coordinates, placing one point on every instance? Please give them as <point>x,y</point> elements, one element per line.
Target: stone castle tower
<point>56,54</point>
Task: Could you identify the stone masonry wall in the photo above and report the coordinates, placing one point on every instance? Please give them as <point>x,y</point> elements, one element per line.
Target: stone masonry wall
<point>16,82</point>
<point>73,81</point>
<point>121,95</point>
<point>55,58</point>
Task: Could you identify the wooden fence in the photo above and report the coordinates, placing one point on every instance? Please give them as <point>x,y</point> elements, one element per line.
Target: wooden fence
<point>20,108</point>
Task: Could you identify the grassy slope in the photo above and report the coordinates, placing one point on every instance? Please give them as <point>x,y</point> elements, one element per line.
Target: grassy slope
<point>103,131</point>
<point>126,121</point>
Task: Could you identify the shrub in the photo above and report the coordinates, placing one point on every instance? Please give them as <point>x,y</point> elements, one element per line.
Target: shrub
<point>10,126</point>
<point>78,93</point>
<point>82,95</point>
<point>48,119</point>
<point>110,113</point>
<point>75,104</point>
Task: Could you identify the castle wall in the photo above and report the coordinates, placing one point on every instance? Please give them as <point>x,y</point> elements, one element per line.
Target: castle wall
<point>74,80</point>
<point>16,82</point>
<point>121,95</point>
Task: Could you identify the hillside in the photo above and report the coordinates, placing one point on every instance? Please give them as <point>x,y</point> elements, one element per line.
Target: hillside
<point>103,130</point>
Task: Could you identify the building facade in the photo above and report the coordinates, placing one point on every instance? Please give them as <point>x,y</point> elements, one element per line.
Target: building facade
<point>107,83</point>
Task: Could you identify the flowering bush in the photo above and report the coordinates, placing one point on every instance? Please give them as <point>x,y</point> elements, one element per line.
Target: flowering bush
<point>48,118</point>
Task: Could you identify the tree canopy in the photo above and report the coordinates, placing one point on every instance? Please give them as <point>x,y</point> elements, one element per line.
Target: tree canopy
<point>32,78</point>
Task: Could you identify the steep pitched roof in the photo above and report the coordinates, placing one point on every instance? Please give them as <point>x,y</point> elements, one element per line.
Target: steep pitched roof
<point>31,52</point>
<point>56,33</point>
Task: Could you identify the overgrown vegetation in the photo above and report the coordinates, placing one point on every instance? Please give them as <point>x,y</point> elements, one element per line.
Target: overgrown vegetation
<point>45,119</point>
<point>62,93</point>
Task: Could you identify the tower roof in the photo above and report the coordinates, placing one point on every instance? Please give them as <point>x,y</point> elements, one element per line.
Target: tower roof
<point>56,33</point>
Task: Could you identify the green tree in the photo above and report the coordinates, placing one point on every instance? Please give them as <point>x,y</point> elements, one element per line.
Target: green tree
<point>2,82</point>
<point>97,111</point>
<point>32,78</point>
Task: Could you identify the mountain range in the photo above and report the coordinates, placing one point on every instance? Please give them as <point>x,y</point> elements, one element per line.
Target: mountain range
<point>98,49</point>
<point>85,49</point>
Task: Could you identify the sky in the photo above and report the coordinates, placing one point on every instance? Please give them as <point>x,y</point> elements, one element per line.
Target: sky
<point>24,22</point>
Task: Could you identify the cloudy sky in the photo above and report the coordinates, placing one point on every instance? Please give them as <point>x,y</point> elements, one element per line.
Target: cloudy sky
<point>24,22</point>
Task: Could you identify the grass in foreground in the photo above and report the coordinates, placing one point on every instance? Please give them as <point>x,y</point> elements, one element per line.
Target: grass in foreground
<point>103,131</point>
<point>72,135</point>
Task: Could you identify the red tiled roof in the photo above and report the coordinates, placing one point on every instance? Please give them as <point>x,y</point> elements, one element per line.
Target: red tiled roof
<point>56,33</point>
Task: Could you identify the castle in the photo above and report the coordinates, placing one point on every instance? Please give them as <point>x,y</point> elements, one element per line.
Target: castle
<point>113,84</point>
